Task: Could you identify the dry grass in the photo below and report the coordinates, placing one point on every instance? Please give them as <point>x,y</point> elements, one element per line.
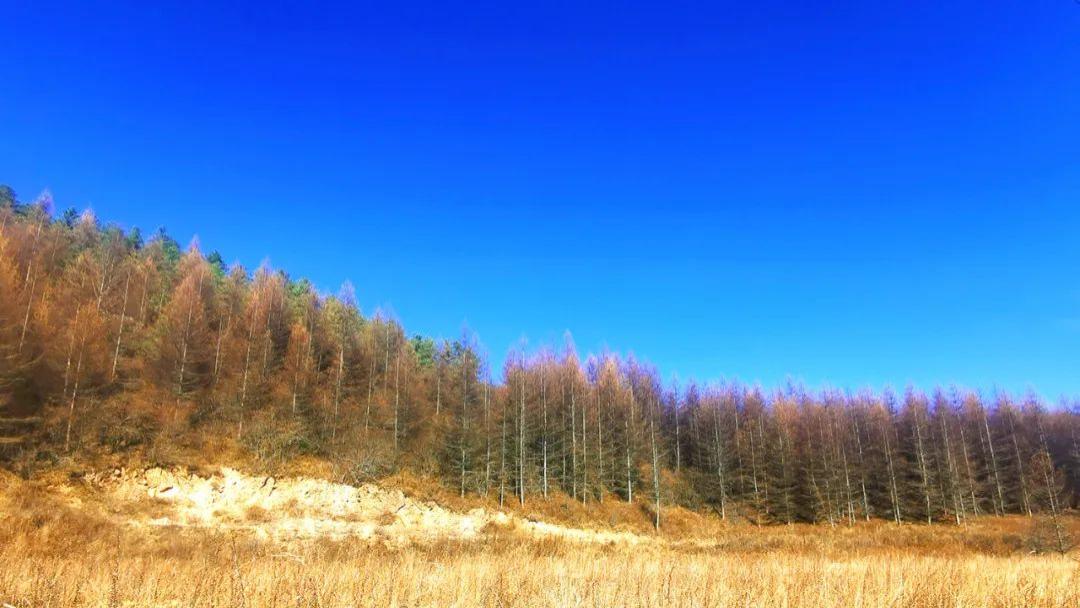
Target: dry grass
<point>54,555</point>
<point>208,571</point>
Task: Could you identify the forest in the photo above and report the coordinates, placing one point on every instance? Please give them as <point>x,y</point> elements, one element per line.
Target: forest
<point>115,342</point>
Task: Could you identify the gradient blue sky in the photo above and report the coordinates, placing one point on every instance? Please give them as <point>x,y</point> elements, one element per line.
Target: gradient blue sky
<point>846,193</point>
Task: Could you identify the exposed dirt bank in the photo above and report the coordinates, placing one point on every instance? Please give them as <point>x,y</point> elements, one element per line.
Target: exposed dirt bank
<point>298,508</point>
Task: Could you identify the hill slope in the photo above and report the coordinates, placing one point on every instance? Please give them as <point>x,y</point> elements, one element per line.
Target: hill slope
<point>112,346</point>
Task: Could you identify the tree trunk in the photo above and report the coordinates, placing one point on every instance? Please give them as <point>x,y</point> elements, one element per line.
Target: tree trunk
<point>74,395</point>
<point>847,482</point>
<point>438,383</point>
<point>184,348</point>
<point>1051,494</point>
<point>487,440</point>
<point>894,495</point>
<point>584,452</point>
<point>464,419</point>
<point>923,474</point>
<point>785,474</point>
<point>655,469</point>
<point>599,448</point>
<point>993,462</point>
<point>386,357</point>
<point>1026,503</point>
<point>754,476</point>
<point>958,508</point>
<point>71,350</point>
<point>337,391</point>
<point>678,439</point>
<point>970,477</point>
<point>397,402</point>
<point>247,367</point>
<point>26,317</point>
<point>502,456</point>
<point>370,386</point>
<point>573,445</point>
<point>521,436</point>
<point>120,330</point>
<point>862,468</point>
<point>544,427</point>
<point>719,446</point>
<point>628,440</point>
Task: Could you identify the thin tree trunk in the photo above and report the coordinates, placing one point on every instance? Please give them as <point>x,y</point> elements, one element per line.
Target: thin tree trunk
<point>386,357</point>
<point>678,439</point>
<point>847,483</point>
<point>142,299</point>
<point>894,495</point>
<point>26,317</point>
<point>958,507</point>
<point>544,426</point>
<point>655,468</point>
<point>74,394</point>
<point>397,401</point>
<point>247,367</point>
<point>785,475</point>
<point>600,447</point>
<point>1051,492</point>
<point>487,440</point>
<point>464,418</point>
<point>739,468</point>
<point>370,387</point>
<point>862,468</point>
<point>993,462</point>
<point>584,452</point>
<point>628,440</point>
<point>521,436</point>
<point>120,330</point>
<point>719,446</point>
<point>105,265</point>
<point>502,455</point>
<point>71,350</point>
<point>765,465</point>
<point>337,390</point>
<point>754,476</point>
<point>827,498</point>
<point>184,348</point>
<point>969,474</point>
<point>924,475</point>
<point>438,383</point>
<point>1020,468</point>
<point>268,342</point>
<point>299,366</point>
<point>309,351</point>
<point>573,444</point>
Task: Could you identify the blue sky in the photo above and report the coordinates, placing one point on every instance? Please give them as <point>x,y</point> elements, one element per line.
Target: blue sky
<point>849,194</point>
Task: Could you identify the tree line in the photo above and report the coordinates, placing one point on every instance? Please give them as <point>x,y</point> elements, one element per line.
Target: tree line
<point>113,342</point>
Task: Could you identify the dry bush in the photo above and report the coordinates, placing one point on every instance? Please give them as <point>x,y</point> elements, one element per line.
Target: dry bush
<point>1049,534</point>
<point>256,514</point>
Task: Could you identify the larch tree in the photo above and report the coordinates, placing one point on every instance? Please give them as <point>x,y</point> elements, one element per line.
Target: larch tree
<point>183,335</point>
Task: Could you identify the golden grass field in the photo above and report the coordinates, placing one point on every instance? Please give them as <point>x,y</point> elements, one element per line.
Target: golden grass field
<point>57,555</point>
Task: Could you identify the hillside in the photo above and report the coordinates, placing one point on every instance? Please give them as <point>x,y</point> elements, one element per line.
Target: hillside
<point>119,349</point>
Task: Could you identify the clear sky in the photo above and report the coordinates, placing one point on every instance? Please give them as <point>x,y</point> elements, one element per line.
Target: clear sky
<point>847,193</point>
